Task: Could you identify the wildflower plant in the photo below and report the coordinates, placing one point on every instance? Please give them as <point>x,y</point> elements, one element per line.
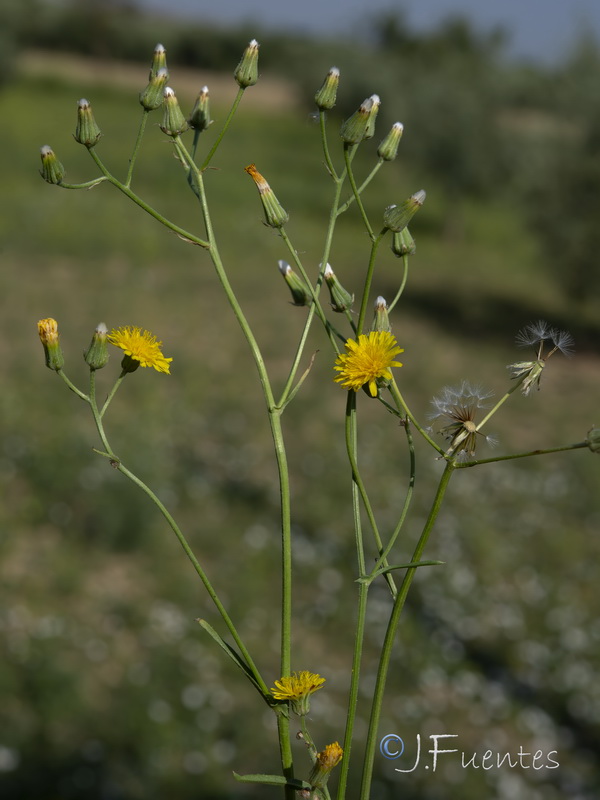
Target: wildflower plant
<point>363,353</point>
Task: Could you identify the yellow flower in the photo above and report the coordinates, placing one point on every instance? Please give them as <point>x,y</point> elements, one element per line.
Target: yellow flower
<point>141,347</point>
<point>297,688</point>
<point>367,360</point>
<point>327,759</point>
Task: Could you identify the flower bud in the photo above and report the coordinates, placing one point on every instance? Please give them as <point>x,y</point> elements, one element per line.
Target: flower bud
<point>326,96</point>
<point>403,243</point>
<point>246,72</point>
<point>173,122</point>
<point>48,333</point>
<point>300,294</point>
<point>388,149</point>
<point>396,218</point>
<point>341,300</point>
<point>152,96</point>
<point>593,440</point>
<point>381,320</point>
<point>52,170</point>
<point>361,125</point>
<point>276,216</point>
<point>87,131</point>
<point>96,356</point>
<point>326,760</point>
<point>200,119</point>
<point>159,62</point>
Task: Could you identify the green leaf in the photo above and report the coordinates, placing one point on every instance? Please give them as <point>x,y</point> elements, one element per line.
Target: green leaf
<point>273,780</point>
<point>412,565</point>
<point>233,655</point>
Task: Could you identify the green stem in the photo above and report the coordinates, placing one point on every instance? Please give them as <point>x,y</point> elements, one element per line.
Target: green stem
<point>382,561</point>
<point>501,401</point>
<point>362,187</point>
<point>223,131</point>
<point>282,467</point>
<point>148,209</point>
<point>72,386</point>
<point>363,590</point>
<point>328,161</point>
<point>401,404</point>
<point>136,147</point>
<point>477,462</point>
<point>349,151</point>
<point>368,279</point>
<point>386,650</point>
<point>402,284</point>
<point>202,575</point>
<point>112,393</point>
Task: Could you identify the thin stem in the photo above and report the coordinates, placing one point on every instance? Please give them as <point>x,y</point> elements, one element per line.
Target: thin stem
<point>376,241</point>
<point>381,562</point>
<point>386,650</point>
<point>477,462</point>
<point>138,201</point>
<point>351,443</point>
<point>401,404</point>
<point>349,151</point>
<point>223,131</point>
<point>402,284</point>
<point>72,386</point>
<point>362,187</point>
<point>112,393</point>
<point>86,185</point>
<point>501,401</point>
<point>203,577</point>
<point>328,161</point>
<point>136,147</point>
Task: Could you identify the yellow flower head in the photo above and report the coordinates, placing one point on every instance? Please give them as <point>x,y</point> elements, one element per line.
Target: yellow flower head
<point>366,360</point>
<point>327,759</point>
<point>141,347</point>
<point>297,688</point>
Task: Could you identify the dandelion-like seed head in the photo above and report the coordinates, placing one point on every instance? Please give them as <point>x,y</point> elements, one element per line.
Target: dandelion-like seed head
<point>459,407</point>
<point>546,341</point>
<point>141,348</point>
<point>297,688</point>
<point>368,361</point>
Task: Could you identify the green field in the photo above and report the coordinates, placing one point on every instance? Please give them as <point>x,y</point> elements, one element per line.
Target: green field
<point>109,688</point>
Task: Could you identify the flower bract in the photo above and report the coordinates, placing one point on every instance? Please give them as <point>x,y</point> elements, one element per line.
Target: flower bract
<point>140,346</point>
<point>368,360</point>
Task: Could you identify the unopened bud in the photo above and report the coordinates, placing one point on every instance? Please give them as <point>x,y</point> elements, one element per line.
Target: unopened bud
<point>341,299</point>
<point>200,117</point>
<point>159,62</point>
<point>48,333</point>
<point>593,440</point>
<point>96,356</point>
<point>381,320</point>
<point>246,72</point>
<point>52,170</point>
<point>325,761</point>
<point>275,215</point>
<point>361,125</point>
<point>152,96</point>
<point>403,243</point>
<point>174,123</point>
<point>396,218</point>
<point>326,96</point>
<point>300,294</point>
<point>388,149</point>
<point>87,131</point>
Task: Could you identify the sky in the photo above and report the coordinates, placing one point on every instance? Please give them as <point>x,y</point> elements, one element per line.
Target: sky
<point>539,29</point>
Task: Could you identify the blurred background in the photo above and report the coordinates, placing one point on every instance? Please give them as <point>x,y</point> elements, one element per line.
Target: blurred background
<point>109,689</point>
